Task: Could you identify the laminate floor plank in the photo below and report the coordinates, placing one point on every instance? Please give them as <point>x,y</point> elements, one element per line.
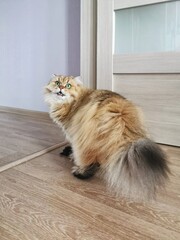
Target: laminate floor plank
<point>41,199</point>
<point>51,211</point>
<point>60,174</point>
<point>22,135</point>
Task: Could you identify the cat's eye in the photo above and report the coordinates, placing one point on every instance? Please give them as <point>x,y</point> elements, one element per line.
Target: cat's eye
<point>57,83</point>
<point>68,85</point>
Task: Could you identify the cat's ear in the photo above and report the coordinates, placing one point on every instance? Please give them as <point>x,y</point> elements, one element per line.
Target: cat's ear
<point>54,75</point>
<point>78,80</point>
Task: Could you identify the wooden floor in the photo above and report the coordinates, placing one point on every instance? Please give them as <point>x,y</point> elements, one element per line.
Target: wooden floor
<point>41,200</point>
<point>23,133</point>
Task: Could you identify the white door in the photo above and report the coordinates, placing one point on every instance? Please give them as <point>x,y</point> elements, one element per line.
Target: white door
<point>138,56</point>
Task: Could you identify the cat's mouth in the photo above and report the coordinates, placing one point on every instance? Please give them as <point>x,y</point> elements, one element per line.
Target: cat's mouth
<point>61,94</point>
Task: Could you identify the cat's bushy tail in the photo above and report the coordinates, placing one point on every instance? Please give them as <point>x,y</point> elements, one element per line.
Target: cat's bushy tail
<point>138,170</point>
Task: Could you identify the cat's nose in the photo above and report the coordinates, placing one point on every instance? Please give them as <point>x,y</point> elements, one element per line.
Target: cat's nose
<point>61,87</point>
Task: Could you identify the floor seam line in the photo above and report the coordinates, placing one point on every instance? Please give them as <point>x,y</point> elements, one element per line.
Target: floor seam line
<point>31,156</point>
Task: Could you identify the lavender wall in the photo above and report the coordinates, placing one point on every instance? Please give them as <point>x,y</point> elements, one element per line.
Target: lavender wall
<point>37,38</point>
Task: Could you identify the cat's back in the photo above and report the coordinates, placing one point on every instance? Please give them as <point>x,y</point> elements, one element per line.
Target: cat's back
<point>106,112</point>
<point>111,105</point>
<point>98,98</point>
<point>100,103</point>
<point>105,96</point>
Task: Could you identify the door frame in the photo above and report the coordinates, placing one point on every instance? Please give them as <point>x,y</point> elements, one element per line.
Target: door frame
<point>88,42</point>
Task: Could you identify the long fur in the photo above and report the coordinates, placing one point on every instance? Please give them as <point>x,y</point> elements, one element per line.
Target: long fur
<point>106,129</point>
<point>138,171</point>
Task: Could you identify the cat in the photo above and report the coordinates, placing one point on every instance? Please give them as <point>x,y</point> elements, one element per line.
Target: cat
<point>107,134</point>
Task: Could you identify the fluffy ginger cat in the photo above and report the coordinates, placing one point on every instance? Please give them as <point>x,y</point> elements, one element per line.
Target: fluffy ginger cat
<point>106,133</point>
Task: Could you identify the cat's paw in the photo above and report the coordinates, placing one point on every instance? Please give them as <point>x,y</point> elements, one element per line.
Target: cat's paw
<point>67,152</point>
<point>76,171</point>
<point>85,172</point>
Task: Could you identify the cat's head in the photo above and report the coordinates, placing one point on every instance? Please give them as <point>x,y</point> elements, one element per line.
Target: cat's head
<point>62,89</point>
